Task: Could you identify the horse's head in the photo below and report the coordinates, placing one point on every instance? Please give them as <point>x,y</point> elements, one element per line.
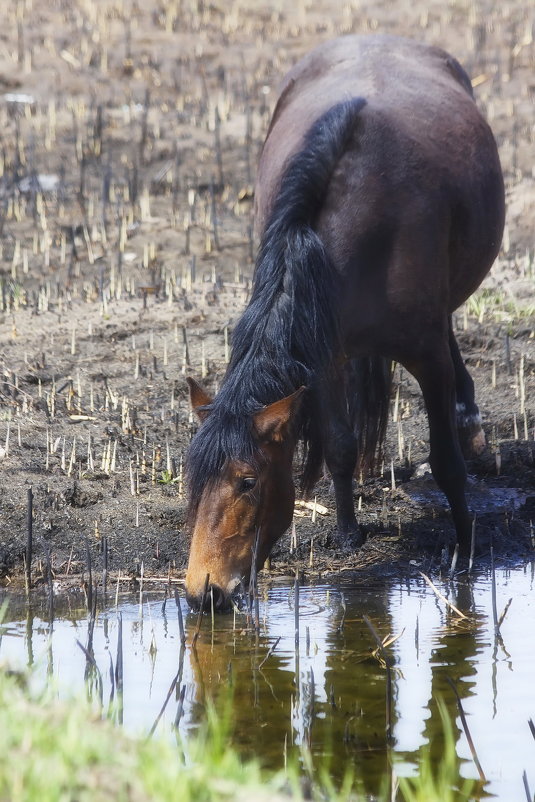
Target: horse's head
<point>247,504</point>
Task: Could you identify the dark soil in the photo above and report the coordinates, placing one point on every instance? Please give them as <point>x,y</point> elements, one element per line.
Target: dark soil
<point>130,271</point>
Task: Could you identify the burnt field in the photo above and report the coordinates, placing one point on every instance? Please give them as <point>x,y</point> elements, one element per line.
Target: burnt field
<point>130,135</point>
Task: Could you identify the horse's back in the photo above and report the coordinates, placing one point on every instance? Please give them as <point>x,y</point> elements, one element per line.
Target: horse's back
<point>417,94</point>
<point>419,182</point>
<point>388,71</point>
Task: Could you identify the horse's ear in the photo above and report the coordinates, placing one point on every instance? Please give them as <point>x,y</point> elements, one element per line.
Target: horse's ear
<point>274,421</point>
<point>198,399</point>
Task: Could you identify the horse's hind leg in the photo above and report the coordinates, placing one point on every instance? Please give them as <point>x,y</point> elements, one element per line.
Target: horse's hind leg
<point>340,452</point>
<point>436,376</point>
<point>471,435</point>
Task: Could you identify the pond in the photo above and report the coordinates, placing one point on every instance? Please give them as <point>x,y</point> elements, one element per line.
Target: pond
<point>330,694</point>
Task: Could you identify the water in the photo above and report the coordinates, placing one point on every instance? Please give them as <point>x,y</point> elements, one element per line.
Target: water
<point>337,706</point>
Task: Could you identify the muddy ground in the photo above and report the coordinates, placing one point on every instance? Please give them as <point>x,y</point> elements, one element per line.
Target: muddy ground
<point>130,133</point>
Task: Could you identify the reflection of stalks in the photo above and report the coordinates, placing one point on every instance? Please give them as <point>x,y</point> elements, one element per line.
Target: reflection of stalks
<point>506,608</point>
<point>526,786</point>
<point>388,662</point>
<point>200,675</point>
<point>93,663</point>
<point>268,683</point>
<point>498,640</point>
<point>497,621</point>
<point>180,707</point>
<point>169,694</point>
<point>466,730</point>
<point>270,652</point>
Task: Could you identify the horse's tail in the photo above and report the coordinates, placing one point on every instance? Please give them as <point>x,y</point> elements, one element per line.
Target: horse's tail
<point>294,299</point>
<point>368,386</point>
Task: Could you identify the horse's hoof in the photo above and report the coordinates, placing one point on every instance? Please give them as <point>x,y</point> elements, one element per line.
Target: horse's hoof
<point>351,539</point>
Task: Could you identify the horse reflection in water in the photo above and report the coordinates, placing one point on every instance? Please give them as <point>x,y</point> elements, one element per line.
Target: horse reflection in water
<point>380,206</point>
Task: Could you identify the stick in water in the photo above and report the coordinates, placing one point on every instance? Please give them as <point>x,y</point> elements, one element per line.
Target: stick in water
<point>29,540</point>
<point>199,619</point>
<point>180,618</point>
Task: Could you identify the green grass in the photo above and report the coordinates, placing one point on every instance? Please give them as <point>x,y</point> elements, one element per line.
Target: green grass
<point>56,751</point>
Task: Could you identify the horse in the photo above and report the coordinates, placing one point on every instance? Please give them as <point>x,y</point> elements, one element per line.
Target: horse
<point>379,203</point>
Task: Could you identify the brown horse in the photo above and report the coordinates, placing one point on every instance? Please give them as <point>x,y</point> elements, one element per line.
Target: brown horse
<point>380,207</point>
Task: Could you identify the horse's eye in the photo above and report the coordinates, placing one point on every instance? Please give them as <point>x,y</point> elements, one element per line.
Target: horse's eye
<point>247,483</point>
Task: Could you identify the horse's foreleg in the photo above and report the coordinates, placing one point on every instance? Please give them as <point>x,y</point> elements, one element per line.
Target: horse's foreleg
<point>341,452</point>
<point>436,376</point>
<point>471,435</point>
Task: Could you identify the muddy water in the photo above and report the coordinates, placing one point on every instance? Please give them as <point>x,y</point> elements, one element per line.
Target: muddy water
<point>330,695</point>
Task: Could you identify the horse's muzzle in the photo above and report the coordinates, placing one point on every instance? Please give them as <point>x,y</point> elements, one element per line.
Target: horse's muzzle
<point>221,600</point>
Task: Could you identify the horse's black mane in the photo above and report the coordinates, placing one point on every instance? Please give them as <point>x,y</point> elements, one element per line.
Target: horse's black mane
<point>289,330</point>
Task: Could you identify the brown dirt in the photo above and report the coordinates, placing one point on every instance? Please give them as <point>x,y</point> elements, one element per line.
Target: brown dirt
<point>145,243</point>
